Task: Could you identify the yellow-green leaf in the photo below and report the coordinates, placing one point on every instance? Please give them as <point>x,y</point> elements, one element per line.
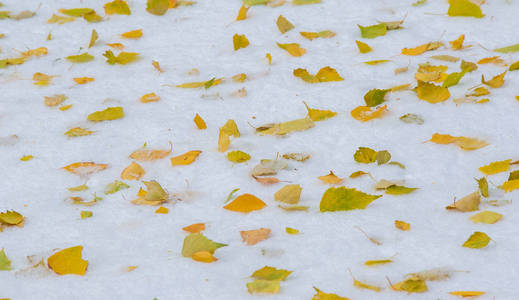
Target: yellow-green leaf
<point>115,186</point>
<point>286,127</point>
<point>342,198</point>
<point>318,114</point>
<point>477,240</point>
<point>365,155</point>
<point>486,217</point>
<point>11,217</point>
<point>263,286</point>
<point>238,156</point>
<point>117,7</point>
<point>375,97</point>
<point>271,273</point>
<point>293,49</point>
<point>157,7</point>
<point>399,190</point>
<point>320,295</point>
<point>464,8</point>
<point>432,93</point>
<point>363,47</point>
<point>76,12</point>
<point>122,58</point>
<point>85,214</point>
<point>513,48</point>
<point>82,58</point>
<point>483,186</point>
<point>373,31</point>
<point>283,24</point>
<point>78,131</point>
<point>111,113</point>
<point>5,263</point>
<point>198,242</point>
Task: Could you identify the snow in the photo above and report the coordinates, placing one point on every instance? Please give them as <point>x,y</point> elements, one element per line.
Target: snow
<point>121,234</point>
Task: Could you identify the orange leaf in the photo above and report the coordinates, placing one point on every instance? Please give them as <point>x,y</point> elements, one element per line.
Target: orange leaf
<point>442,139</point>
<point>252,237</point>
<point>242,14</point>
<point>364,113</point>
<point>266,180</point>
<point>200,123</point>
<point>83,80</point>
<point>186,158</point>
<point>195,228</point>
<point>134,34</point>
<point>330,178</point>
<point>245,203</point>
<point>204,256</point>
<point>133,172</point>
<point>68,261</point>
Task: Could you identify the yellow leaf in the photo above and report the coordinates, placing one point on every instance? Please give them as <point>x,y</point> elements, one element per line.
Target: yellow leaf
<point>117,7</point>
<point>93,38</point>
<point>442,139</point>
<point>480,91</point>
<point>147,155</point>
<point>110,113</point>
<point>331,178</point>
<point>363,285</point>
<point>318,114</point>
<point>68,261</point>
<point>411,285</point>
<point>60,19</point>
<point>290,194</point>
<point>82,58</point>
<point>291,230</point>
<point>283,24</point>
<point>231,128</point>
<point>155,195</point>
<point>151,97</point>
<point>365,155</point>
<point>464,294</point>
<point>464,8</point>
<point>26,157</point>
<point>242,13</point>
<point>133,172</point>
<point>239,77</point>
<point>245,203</point>
<point>134,34</point>
<point>319,295</point>
<point>206,84</point>
<point>286,127</point>
<point>35,52</point>
<point>156,65</point>
<point>328,74</point>
<point>486,217</point>
<point>117,46</point>
<point>293,49</point>
<point>223,141</point>
<point>240,41</point>
<point>432,93</point>
<point>477,240</point>
<point>54,100</point>
<point>200,123</point>
<point>364,113</point>
<point>11,217</point>
<point>263,286</point>
<point>496,82</point>
<point>402,225</point>
<point>467,203</point>
<point>252,237</point>
<point>376,62</point>
<point>271,273</point>
<point>510,185</point>
<point>195,228</point>
<point>83,80</point>
<point>204,256</point>
<point>122,58</point>
<point>197,242</point>
<point>373,31</point>
<point>377,262</point>
<point>42,79</point>
<point>363,47</point>
<point>86,214</point>
<point>238,156</point>
<point>492,60</point>
<point>85,168</point>
<point>421,49</point>
<point>185,159</point>
<point>469,144</point>
<point>342,198</point>
<point>457,44</point>
<point>269,58</point>
<point>162,210</point>
<point>157,7</point>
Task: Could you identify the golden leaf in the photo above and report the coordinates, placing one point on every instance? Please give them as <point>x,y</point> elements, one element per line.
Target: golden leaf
<point>133,172</point>
<point>364,113</point>
<point>293,49</point>
<point>134,34</point>
<point>467,203</point>
<point>245,203</point>
<point>331,178</point>
<point>199,122</point>
<point>194,228</point>
<point>252,237</point>
<point>147,155</point>
<point>68,261</point>
<point>85,168</point>
<point>186,158</point>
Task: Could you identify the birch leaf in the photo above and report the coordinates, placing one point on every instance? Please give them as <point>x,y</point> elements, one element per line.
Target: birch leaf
<point>486,217</point>
<point>284,25</point>
<point>373,31</point>
<point>375,97</point>
<point>204,256</point>
<point>286,127</point>
<point>186,158</point>
<point>60,19</point>
<point>263,286</point>
<point>197,242</point>
<point>11,217</point>
<point>342,198</point>
<point>93,38</point>
<point>245,203</point>
<point>399,190</point>
<point>411,285</point>
<point>147,154</point>
<point>320,295</point>
<point>134,34</point>
<point>402,225</point>
<point>364,113</point>
<point>318,114</point>
<point>464,294</point>
<point>82,58</point>
<point>496,81</point>
<point>68,261</point>
<point>122,58</point>
<point>252,237</point>
<point>483,186</point>
<point>467,203</point>
<point>365,155</point>
<point>238,156</point>
<point>78,131</point>
<point>242,13</point>
<point>119,7</point>
<point>157,7</point>
<point>510,185</point>
<point>513,48</point>
<point>85,168</point>
<point>199,122</point>
<point>293,49</point>
<point>371,263</point>
<point>331,178</point>
<point>133,172</point>
<point>239,41</point>
<point>110,113</point>
<point>477,240</point>
<point>5,263</point>
<point>290,193</point>
<point>432,93</point>
<point>194,228</point>
<point>115,186</point>
<point>271,273</point>
<point>363,47</point>
<point>464,8</point>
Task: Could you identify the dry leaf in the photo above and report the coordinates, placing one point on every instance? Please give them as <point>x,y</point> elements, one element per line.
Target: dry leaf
<point>133,172</point>
<point>147,155</point>
<point>186,158</point>
<point>252,237</point>
<point>331,178</point>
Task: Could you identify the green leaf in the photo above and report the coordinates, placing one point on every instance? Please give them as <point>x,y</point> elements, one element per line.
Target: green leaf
<point>342,198</point>
<point>412,285</point>
<point>238,156</point>
<point>453,79</point>
<point>231,194</point>
<point>383,157</point>
<point>375,97</point>
<point>399,190</point>
<point>486,217</point>
<point>464,8</point>
<point>111,113</point>
<point>477,240</point>
<point>365,155</point>
<point>115,186</point>
<point>263,286</point>
<point>370,32</point>
<point>483,186</point>
<point>271,273</point>
<point>513,48</point>
<point>197,242</point>
<point>412,119</point>
<point>157,7</point>
<point>5,263</point>
<point>82,58</point>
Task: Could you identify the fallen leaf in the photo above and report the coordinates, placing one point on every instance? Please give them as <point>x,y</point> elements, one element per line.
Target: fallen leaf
<point>204,256</point>
<point>464,8</point>
<point>483,186</point>
<point>373,31</point>
<point>318,114</point>
<point>375,97</point>
<point>242,13</point>
<point>331,178</point>
<point>286,127</point>
<point>122,58</point>
<point>110,113</point>
<point>496,82</point>
<point>199,122</point>
<point>342,198</point>
<point>147,154</point>
<point>464,294</point>
<point>263,286</point>
<point>252,237</point>
<point>399,190</point>
<point>411,285</point>
<point>293,49</point>
<point>477,240</point>
<point>363,47</point>
<point>513,48</point>
<point>510,185</point>
<point>290,193</point>
<point>321,34</point>
<point>371,263</point>
<point>364,113</point>
<point>157,7</point>
<point>238,156</point>
<point>155,195</point>
<point>133,172</point>
<point>284,25</point>
<point>467,203</point>
<point>85,168</point>
<point>11,217</point>
<point>78,131</point>
<point>421,49</point>
<point>54,100</point>
<point>115,186</point>
<point>245,203</point>
<point>5,263</point>
<point>117,7</point>
<point>486,217</point>
<point>197,242</point>
<point>320,295</point>
<point>365,155</point>
<point>239,41</point>
<point>162,210</point>
<point>68,261</point>
<point>194,228</point>
<point>83,80</point>
<point>412,119</point>
<point>402,225</point>
<point>432,93</point>
<point>186,158</point>
<point>134,34</point>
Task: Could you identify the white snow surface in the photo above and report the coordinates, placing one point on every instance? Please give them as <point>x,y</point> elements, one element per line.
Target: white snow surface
<point>121,234</point>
